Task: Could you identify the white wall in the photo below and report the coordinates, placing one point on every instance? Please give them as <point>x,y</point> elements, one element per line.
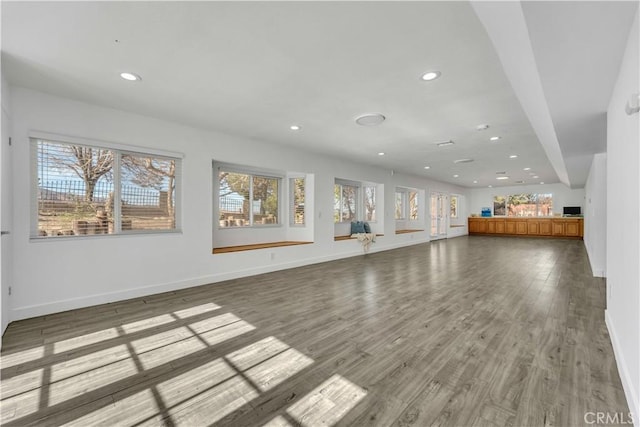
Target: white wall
<point>623,217</point>
<point>562,195</point>
<point>6,214</point>
<point>595,214</point>
<point>54,275</point>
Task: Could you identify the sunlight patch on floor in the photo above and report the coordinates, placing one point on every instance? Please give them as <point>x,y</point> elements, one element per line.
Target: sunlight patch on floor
<point>84,340</point>
<point>327,403</point>
<point>195,310</point>
<point>147,323</point>
<point>19,357</point>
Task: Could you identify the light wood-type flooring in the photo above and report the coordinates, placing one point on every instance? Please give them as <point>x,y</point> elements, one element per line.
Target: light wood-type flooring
<point>472,331</point>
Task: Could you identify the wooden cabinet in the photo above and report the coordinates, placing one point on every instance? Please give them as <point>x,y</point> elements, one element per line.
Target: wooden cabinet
<point>546,227</point>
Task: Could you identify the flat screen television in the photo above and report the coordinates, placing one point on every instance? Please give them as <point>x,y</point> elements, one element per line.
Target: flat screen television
<point>571,210</point>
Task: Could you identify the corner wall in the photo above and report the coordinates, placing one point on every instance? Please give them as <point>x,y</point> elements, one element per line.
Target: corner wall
<point>6,203</point>
<point>595,215</point>
<point>623,219</point>
<point>56,275</point>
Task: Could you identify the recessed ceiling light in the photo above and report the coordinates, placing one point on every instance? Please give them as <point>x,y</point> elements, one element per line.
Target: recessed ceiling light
<point>463,161</point>
<point>370,119</point>
<point>294,127</point>
<point>526,169</point>
<point>513,156</point>
<point>444,143</point>
<point>535,177</point>
<point>490,186</point>
<point>427,167</point>
<point>494,138</point>
<point>482,127</point>
<point>475,181</point>
<point>430,75</point>
<point>381,154</point>
<point>502,177</point>
<point>131,77</point>
<point>541,182</point>
<point>456,175</point>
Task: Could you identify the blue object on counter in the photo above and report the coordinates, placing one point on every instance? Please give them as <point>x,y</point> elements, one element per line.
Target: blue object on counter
<point>486,212</point>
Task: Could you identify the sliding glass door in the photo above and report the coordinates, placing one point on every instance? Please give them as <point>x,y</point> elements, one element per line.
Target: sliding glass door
<point>439,215</point>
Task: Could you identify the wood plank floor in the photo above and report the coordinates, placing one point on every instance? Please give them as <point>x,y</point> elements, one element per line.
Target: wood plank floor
<point>472,331</point>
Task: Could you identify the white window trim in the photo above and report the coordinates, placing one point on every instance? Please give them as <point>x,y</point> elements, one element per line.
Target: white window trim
<point>120,149</point>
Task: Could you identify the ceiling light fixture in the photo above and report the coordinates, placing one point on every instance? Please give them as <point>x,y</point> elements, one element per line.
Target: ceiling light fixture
<point>430,75</point>
<point>490,186</point>
<point>456,176</point>
<point>541,182</point>
<point>520,182</point>
<point>502,177</point>
<point>535,177</point>
<point>526,169</point>
<point>294,127</point>
<point>482,127</point>
<point>370,119</point>
<point>427,167</point>
<point>475,181</point>
<point>381,154</point>
<point>131,77</point>
<point>463,161</point>
<point>501,173</point>
<point>494,138</point>
<point>513,156</point>
<point>444,143</point>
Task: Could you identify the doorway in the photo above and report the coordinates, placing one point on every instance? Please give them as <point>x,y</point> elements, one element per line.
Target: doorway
<point>439,215</point>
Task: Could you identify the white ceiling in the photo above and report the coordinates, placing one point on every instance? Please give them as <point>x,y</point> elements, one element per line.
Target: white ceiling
<point>254,69</point>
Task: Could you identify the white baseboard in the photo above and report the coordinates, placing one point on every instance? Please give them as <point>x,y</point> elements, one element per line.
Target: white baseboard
<point>353,249</point>
<point>627,384</point>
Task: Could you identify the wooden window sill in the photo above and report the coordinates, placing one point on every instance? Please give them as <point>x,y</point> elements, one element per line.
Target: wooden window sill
<point>253,247</point>
<point>348,237</point>
<point>407,231</point>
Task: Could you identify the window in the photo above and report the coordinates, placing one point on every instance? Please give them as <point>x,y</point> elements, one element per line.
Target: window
<point>523,205</point>
<point>413,205</point>
<point>454,206</point>
<point>246,200</point>
<point>297,201</point>
<point>345,206</point>
<point>370,203</point>
<point>400,195</point>
<point>88,190</point>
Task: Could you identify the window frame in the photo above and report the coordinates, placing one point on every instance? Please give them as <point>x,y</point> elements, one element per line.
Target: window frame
<point>374,187</point>
<point>537,197</point>
<point>455,197</point>
<point>357,198</point>
<point>403,204</point>
<point>292,201</point>
<point>252,173</point>
<point>118,150</point>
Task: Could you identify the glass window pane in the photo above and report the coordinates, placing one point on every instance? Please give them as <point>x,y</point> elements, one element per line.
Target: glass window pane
<point>148,186</point>
<point>298,201</point>
<point>370,203</point>
<point>545,204</point>
<point>264,206</point>
<point>454,206</point>
<point>233,200</point>
<point>337,202</point>
<point>413,205</point>
<point>399,205</point>
<point>349,201</point>
<point>499,206</point>
<point>75,190</point>
<point>521,205</point>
